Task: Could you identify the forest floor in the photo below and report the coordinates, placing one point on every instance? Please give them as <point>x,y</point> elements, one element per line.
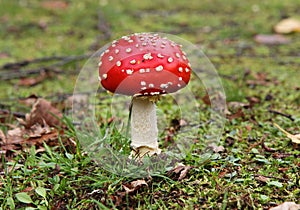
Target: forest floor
<point>44,46</point>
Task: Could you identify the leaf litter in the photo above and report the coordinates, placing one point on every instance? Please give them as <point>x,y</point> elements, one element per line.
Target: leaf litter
<point>134,186</point>
<point>42,112</point>
<point>39,126</point>
<point>42,129</point>
<point>180,171</point>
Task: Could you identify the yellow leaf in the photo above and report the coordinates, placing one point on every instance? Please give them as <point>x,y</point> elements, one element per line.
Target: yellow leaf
<point>294,138</point>
<point>287,26</point>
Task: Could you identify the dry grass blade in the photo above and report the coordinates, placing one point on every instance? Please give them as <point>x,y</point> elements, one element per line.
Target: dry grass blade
<point>294,138</point>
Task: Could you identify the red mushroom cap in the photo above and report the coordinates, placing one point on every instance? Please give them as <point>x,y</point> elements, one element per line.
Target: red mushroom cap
<point>144,64</point>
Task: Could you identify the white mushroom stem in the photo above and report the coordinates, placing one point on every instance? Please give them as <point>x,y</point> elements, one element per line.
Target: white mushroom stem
<point>144,132</point>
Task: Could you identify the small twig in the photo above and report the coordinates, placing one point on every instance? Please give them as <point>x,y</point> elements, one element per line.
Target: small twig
<point>282,114</point>
<point>23,63</point>
<point>264,146</point>
<point>18,73</point>
<point>15,114</point>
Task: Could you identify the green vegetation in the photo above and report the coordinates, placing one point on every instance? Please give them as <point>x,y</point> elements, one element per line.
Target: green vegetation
<point>259,167</point>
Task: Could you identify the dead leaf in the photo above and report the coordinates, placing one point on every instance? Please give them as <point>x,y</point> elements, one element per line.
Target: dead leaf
<point>184,172</point>
<point>138,183</point>
<point>35,130</point>
<point>253,100</point>
<point>42,111</point>
<point>54,5</point>
<point>237,104</point>
<point>287,206</point>
<point>206,99</point>
<point>20,139</point>
<point>288,25</point>
<point>216,148</point>
<point>271,39</point>
<point>31,81</point>
<point>134,185</point>
<point>236,115</point>
<point>15,135</point>
<point>2,135</point>
<point>180,170</point>
<point>294,138</point>
<point>222,173</point>
<point>261,76</point>
<point>20,135</point>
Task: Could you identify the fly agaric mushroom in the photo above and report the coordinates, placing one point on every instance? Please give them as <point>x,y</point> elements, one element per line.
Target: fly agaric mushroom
<point>144,65</point>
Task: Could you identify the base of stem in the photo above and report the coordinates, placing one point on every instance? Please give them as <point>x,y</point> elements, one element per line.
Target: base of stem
<point>140,152</point>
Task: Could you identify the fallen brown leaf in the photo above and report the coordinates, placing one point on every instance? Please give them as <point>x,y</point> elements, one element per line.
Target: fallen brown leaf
<point>294,138</point>
<point>236,115</point>
<point>2,135</point>
<point>287,206</point>
<point>261,76</point>
<point>216,148</point>
<point>42,111</point>
<point>206,99</point>
<point>134,185</point>
<point>271,39</point>
<point>288,25</point>
<point>181,170</point>
<point>15,136</point>
<point>253,100</point>
<point>31,81</point>
<point>20,139</point>
<point>36,129</point>
<point>138,183</point>
<point>184,172</point>
<point>34,134</point>
<point>237,104</point>
<point>222,173</point>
